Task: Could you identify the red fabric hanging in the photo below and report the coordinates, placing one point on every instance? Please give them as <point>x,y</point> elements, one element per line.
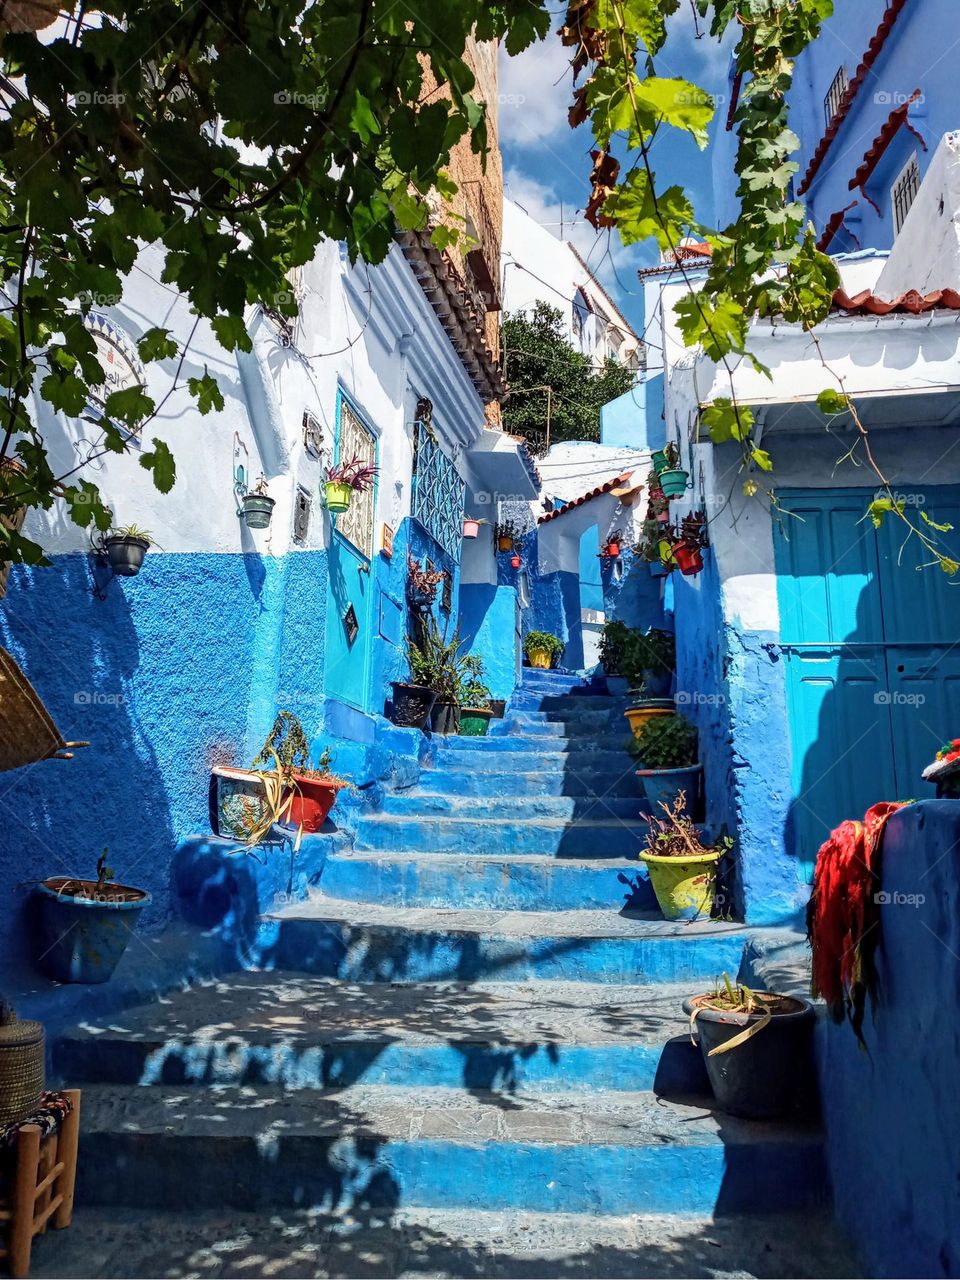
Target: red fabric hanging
<point>843,916</point>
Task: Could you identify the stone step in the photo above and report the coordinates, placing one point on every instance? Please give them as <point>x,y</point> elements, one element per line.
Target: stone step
<point>538,744</point>
<point>367,942</point>
<point>565,703</point>
<point>297,1032</point>
<point>464,780</point>
<point>423,803</point>
<point>131,1244</point>
<point>598,724</point>
<point>529,882</point>
<point>610,763</point>
<point>600,837</point>
<point>376,1146</point>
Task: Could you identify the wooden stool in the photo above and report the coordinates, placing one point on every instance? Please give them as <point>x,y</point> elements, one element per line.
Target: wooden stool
<point>44,1174</point>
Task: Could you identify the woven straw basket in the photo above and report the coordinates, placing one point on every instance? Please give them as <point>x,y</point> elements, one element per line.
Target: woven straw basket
<point>21,1066</point>
<point>27,734</point>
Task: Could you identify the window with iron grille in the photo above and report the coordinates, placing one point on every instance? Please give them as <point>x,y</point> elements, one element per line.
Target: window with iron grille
<point>904,192</point>
<point>354,440</point>
<point>831,103</point>
<point>437,492</point>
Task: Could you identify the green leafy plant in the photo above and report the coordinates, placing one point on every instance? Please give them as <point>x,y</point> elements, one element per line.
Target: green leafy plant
<point>614,639</point>
<point>437,663</point>
<point>473,692</point>
<point>665,742</point>
<point>543,642</point>
<point>132,531</point>
<point>653,650</point>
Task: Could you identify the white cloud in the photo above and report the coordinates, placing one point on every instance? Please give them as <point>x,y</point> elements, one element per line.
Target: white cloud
<point>535,93</point>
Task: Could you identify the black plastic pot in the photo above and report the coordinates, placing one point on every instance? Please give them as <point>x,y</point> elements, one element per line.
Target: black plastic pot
<point>126,554</point>
<point>257,510</point>
<point>445,717</point>
<point>769,1075</point>
<point>412,704</point>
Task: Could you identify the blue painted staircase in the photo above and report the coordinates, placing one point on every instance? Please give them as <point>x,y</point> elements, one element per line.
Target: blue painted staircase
<point>479,1009</point>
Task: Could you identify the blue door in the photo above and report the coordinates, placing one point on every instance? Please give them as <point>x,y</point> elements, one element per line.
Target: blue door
<point>349,630</point>
<point>871,658</point>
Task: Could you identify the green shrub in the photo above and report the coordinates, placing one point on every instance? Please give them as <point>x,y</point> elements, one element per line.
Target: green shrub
<point>653,650</point>
<point>544,641</point>
<point>665,742</point>
<point>473,692</point>
<point>614,639</point>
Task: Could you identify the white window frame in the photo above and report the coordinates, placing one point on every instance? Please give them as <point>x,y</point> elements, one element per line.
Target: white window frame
<point>908,179</point>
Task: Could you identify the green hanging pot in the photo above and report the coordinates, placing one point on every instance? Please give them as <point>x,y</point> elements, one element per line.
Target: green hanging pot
<point>659,460</point>
<point>338,496</point>
<point>674,482</point>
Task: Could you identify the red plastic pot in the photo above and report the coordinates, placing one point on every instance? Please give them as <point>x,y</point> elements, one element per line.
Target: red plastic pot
<point>689,560</point>
<point>312,801</point>
<point>515,562</point>
<point>613,550</point>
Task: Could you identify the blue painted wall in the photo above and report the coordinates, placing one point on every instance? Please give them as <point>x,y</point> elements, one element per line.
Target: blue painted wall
<point>635,419</point>
<point>892,1114</point>
<point>905,64</point>
<point>488,614</point>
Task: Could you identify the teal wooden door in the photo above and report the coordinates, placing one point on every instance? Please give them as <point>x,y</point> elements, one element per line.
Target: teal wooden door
<point>868,642</point>
<point>349,629</point>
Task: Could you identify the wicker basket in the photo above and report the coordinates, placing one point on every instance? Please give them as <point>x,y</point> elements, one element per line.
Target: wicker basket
<point>27,733</point>
<point>21,1066</point>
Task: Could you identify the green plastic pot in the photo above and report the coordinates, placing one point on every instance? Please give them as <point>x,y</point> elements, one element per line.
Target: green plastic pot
<point>684,886</point>
<point>674,482</point>
<point>474,721</point>
<point>339,496</point>
<point>659,460</point>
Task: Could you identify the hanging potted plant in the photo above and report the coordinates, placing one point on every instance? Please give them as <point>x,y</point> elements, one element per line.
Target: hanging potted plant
<point>422,583</point>
<point>471,527</point>
<point>474,697</point>
<point>312,791</point>
<point>85,925</point>
<point>690,537</point>
<point>659,460</point>
<point>436,664</point>
<point>343,480</point>
<point>542,649</point>
<point>257,506</point>
<point>506,535</point>
<point>682,869</point>
<point>673,479</point>
<point>125,548</point>
<point>515,561</point>
<point>666,751</point>
<point>757,1047</point>
<point>611,548</point>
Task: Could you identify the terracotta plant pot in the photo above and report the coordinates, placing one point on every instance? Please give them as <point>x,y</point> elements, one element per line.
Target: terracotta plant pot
<point>313,798</point>
<point>471,528</point>
<point>126,554</point>
<point>83,937</point>
<point>412,704</point>
<point>663,517</point>
<point>339,496</point>
<point>689,559</point>
<point>638,715</point>
<point>540,658</point>
<point>674,482</point>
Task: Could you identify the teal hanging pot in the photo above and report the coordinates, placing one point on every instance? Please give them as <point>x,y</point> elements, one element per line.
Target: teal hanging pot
<point>674,482</point>
<point>659,460</point>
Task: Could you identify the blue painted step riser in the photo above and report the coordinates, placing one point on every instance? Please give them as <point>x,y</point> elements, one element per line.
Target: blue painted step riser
<point>538,745</point>
<point>612,764</point>
<point>148,1171</point>
<point>676,1066</point>
<point>576,783</point>
<point>559,731</point>
<point>415,804</point>
<point>361,953</point>
<point>526,700</point>
<point>447,835</point>
<point>492,886</point>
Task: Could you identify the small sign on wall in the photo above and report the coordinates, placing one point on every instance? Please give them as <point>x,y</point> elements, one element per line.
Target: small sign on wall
<point>386,540</point>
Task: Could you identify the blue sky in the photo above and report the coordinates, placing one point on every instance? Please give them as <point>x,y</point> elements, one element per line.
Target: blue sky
<point>547,165</point>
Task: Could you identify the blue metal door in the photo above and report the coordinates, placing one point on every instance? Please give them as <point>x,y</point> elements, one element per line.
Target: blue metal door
<point>349,630</point>
<point>873,677</point>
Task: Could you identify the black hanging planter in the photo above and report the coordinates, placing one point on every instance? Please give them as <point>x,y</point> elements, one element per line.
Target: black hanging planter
<point>412,704</point>
<point>125,554</point>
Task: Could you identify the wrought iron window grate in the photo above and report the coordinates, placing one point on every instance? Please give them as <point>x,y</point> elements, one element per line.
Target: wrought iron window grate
<point>355,441</point>
<point>437,492</point>
<point>904,192</point>
<point>838,87</point>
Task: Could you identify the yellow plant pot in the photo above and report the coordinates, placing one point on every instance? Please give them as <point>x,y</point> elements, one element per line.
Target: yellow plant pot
<point>684,886</point>
<point>639,715</point>
<point>540,658</point>
<point>338,496</point>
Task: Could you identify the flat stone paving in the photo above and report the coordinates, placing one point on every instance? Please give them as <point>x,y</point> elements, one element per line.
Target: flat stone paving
<point>123,1243</point>
<point>268,1008</point>
<point>504,924</point>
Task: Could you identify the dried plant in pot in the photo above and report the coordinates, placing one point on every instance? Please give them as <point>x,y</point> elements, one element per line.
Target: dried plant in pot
<point>757,1047</point>
<point>682,869</point>
<point>84,925</point>
<point>257,506</point>
<point>311,790</point>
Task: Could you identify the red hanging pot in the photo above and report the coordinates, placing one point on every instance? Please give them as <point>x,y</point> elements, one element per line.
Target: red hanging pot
<point>613,549</point>
<point>689,560</point>
<point>515,561</point>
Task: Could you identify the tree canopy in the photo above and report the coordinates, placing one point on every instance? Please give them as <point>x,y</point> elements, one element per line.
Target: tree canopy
<point>538,354</point>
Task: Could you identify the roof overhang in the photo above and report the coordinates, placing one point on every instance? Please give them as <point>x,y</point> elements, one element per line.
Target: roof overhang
<point>500,464</point>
